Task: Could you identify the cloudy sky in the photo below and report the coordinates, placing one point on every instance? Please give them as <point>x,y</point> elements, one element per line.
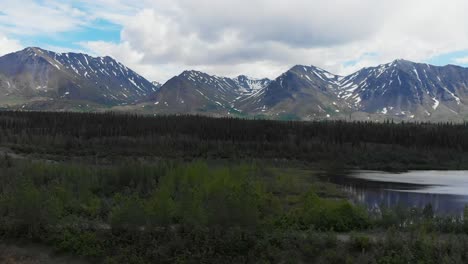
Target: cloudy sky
<point>260,38</point>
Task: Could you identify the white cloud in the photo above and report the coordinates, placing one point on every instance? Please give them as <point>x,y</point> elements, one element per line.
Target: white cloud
<point>160,38</point>
<point>264,38</point>
<point>462,60</point>
<point>30,17</point>
<point>8,45</point>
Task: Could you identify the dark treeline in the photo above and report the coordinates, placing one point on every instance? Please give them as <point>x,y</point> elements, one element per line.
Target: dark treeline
<point>92,125</point>
<point>356,144</point>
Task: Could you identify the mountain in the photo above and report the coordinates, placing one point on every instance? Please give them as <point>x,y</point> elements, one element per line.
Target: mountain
<point>198,92</point>
<point>407,89</point>
<point>36,74</point>
<point>401,90</point>
<point>36,79</point>
<point>156,84</point>
<point>303,92</point>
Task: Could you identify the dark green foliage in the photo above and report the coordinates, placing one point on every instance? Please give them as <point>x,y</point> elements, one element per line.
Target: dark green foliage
<point>329,214</point>
<point>177,189</point>
<point>361,243</point>
<point>428,212</point>
<point>465,218</point>
<point>221,213</point>
<point>82,243</point>
<point>359,144</point>
<point>198,194</point>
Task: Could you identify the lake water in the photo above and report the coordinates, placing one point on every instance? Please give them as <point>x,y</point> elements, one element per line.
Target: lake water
<point>447,191</point>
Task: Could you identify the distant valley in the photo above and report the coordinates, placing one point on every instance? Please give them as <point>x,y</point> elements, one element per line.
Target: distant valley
<point>36,79</point>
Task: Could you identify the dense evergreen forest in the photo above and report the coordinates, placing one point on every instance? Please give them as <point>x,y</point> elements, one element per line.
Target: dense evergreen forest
<point>188,189</point>
<point>354,145</point>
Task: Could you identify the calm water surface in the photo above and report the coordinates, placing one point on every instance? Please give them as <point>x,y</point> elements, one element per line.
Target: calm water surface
<point>447,191</point>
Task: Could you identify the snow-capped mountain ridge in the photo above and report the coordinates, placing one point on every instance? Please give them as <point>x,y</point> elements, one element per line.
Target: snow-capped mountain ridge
<point>406,88</point>
<point>198,90</point>
<point>398,89</point>
<point>241,83</point>
<point>34,71</point>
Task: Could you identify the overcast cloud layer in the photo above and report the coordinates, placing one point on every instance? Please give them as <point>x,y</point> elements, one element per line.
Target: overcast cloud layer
<point>261,38</point>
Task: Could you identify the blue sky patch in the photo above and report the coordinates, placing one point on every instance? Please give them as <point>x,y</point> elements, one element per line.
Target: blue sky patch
<point>448,58</point>
<point>99,30</point>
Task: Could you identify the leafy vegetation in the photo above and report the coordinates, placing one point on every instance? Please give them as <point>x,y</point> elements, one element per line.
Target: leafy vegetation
<point>195,212</point>
<point>132,189</point>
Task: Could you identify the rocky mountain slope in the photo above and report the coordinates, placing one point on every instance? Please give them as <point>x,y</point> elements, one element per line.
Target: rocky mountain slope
<point>303,92</point>
<point>198,92</point>
<point>406,89</point>
<point>43,80</point>
<point>37,74</point>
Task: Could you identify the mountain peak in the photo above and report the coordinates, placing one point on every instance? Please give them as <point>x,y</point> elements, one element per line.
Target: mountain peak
<point>314,69</point>
<point>34,51</point>
<point>401,61</point>
<point>191,73</point>
<point>301,68</point>
<point>248,78</point>
<point>156,84</point>
<point>243,77</point>
<point>38,72</point>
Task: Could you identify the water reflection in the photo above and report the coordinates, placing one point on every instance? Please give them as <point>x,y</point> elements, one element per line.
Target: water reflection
<point>447,191</point>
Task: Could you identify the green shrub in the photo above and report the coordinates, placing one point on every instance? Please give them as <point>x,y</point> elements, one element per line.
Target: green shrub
<point>361,243</point>
<point>330,214</point>
<point>82,243</point>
